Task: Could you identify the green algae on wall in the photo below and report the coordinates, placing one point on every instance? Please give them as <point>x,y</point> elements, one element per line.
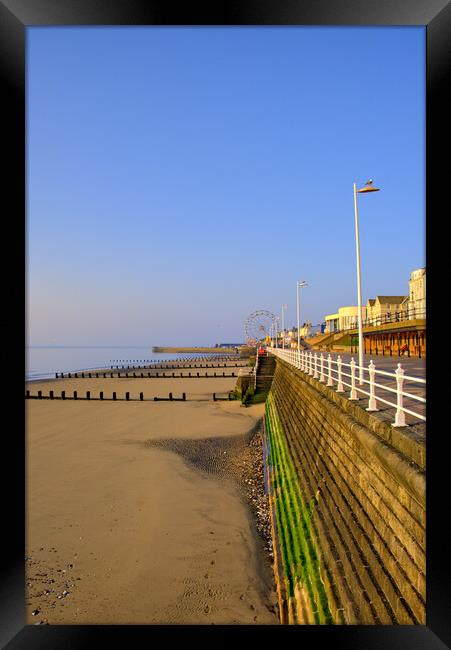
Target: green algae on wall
<point>307,598</point>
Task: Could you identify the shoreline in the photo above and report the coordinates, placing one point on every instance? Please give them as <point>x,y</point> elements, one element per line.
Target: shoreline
<point>152,364</point>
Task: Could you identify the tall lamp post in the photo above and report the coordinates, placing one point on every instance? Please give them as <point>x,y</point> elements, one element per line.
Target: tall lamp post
<point>277,331</point>
<point>283,326</point>
<point>299,285</point>
<point>368,188</point>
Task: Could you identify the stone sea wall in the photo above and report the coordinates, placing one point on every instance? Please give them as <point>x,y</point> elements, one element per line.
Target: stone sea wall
<point>347,497</point>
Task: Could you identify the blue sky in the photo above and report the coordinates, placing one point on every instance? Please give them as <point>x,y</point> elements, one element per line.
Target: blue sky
<point>180,178</point>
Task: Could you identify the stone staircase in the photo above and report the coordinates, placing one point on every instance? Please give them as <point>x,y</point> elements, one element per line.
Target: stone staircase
<point>265,373</point>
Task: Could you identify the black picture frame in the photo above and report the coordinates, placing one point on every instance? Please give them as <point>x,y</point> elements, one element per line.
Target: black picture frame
<point>15,17</point>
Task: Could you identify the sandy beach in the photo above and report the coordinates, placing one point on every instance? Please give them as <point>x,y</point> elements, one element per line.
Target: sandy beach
<point>130,518</point>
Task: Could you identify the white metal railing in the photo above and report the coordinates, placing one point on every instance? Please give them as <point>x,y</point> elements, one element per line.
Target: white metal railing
<point>343,376</point>
<point>254,371</point>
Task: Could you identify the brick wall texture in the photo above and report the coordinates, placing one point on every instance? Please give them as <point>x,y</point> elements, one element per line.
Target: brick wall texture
<point>348,508</point>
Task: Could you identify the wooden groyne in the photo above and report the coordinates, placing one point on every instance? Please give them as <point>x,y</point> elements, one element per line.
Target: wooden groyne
<point>76,395</point>
<point>140,375</point>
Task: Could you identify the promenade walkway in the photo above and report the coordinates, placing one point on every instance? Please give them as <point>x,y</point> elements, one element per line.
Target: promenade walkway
<point>413,368</point>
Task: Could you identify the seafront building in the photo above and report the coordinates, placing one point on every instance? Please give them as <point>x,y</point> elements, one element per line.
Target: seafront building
<point>384,308</point>
<point>417,294</point>
<point>345,318</point>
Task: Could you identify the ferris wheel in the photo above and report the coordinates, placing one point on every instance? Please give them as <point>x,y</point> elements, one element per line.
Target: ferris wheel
<point>257,326</point>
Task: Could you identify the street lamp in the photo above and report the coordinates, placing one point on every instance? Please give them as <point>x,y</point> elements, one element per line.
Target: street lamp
<point>368,188</point>
<point>277,331</point>
<point>299,285</point>
<point>283,326</point>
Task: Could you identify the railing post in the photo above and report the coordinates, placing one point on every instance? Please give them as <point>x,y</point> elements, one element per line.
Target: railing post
<point>340,388</point>
<point>329,376</point>
<point>310,370</point>
<point>315,374</point>
<point>372,401</point>
<point>353,395</point>
<point>400,417</point>
<point>321,366</point>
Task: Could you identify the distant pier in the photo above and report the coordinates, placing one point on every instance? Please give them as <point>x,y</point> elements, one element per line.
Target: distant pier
<point>176,350</point>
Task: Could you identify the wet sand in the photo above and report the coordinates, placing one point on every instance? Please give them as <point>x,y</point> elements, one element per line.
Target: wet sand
<point>123,526</point>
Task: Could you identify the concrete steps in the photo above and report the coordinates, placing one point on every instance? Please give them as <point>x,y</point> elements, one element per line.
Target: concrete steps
<point>265,373</point>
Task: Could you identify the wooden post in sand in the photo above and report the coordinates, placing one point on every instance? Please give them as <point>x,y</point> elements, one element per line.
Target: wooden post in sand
<point>101,394</point>
<point>75,394</point>
<point>184,397</point>
<point>88,394</point>
<point>51,394</point>
<point>114,396</point>
<point>141,396</point>
<point>127,396</point>
<point>63,394</point>
<point>170,397</point>
<point>27,394</point>
<point>214,397</point>
<point>39,394</point>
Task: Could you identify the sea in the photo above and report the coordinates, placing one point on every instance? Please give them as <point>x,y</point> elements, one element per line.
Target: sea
<point>42,362</point>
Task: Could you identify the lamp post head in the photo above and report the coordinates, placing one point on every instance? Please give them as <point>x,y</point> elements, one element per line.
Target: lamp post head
<point>369,187</point>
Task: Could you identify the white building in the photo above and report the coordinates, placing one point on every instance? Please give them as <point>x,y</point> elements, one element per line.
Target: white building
<point>417,294</point>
